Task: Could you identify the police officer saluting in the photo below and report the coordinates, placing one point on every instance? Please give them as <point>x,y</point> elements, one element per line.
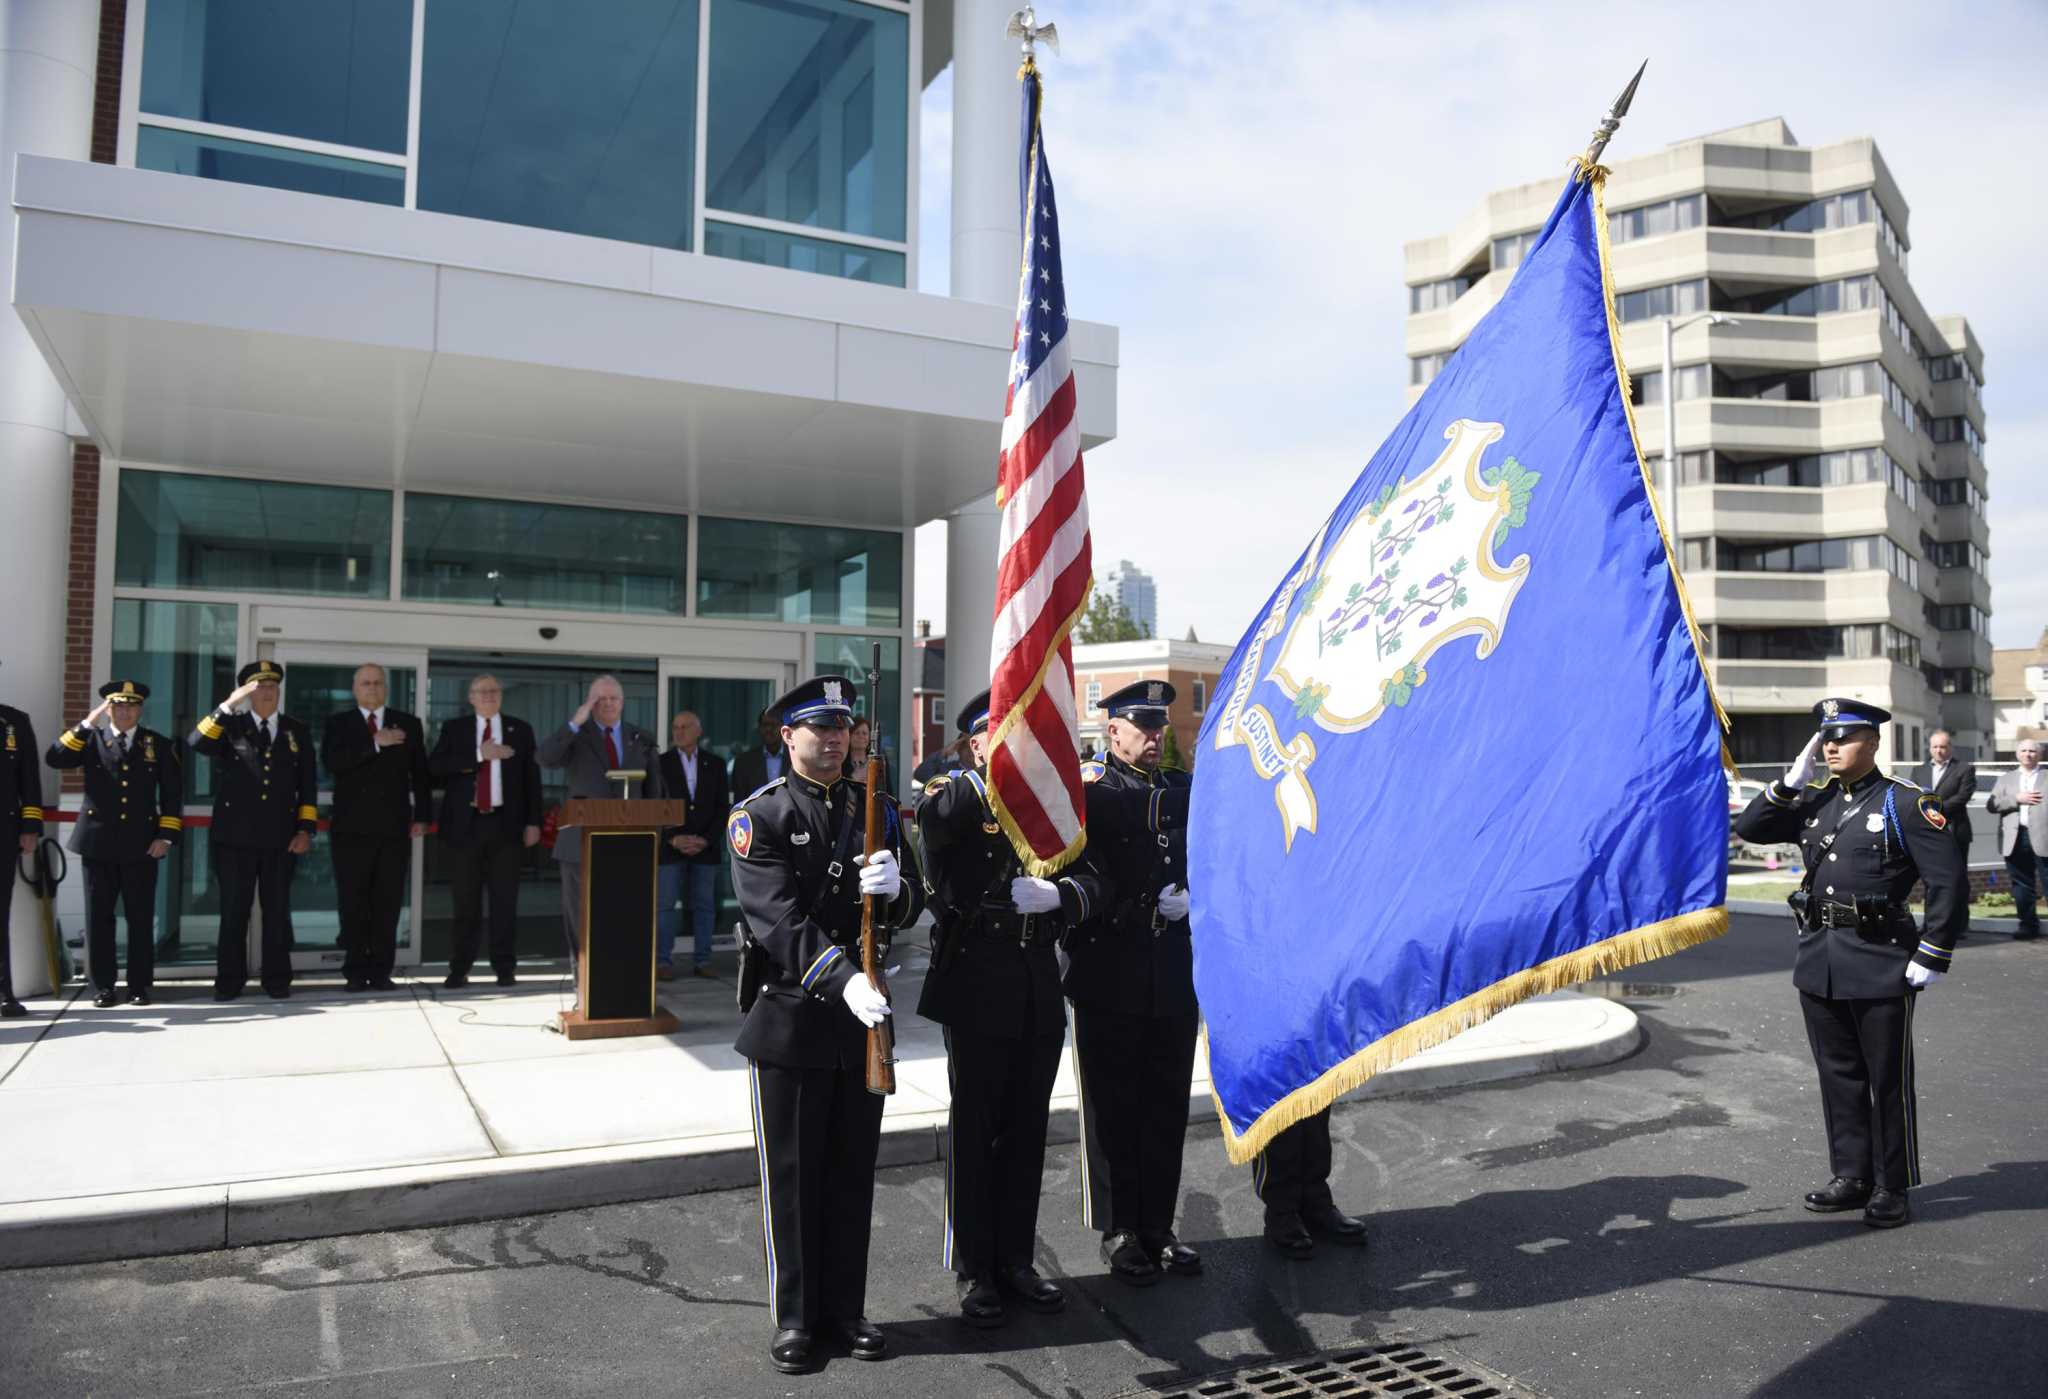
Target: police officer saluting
<point>994,984</point>
<point>799,877</point>
<point>1130,976</point>
<point>263,819</point>
<point>134,800</point>
<point>1868,839</point>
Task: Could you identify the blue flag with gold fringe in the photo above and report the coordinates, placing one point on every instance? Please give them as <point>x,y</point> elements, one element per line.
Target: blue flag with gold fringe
<point>1467,752</point>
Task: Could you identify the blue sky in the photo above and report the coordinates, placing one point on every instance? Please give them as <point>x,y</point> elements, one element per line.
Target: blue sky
<point>1237,181</point>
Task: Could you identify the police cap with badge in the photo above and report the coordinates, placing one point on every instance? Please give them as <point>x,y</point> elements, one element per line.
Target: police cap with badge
<point>263,672</point>
<point>124,691</point>
<point>1142,702</point>
<point>973,715</point>
<point>823,702</point>
<point>1839,718</point>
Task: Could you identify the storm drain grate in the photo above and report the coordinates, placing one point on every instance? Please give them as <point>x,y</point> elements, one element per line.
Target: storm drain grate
<point>1381,1372</point>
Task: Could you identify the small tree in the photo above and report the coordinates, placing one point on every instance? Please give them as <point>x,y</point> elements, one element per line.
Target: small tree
<point>1169,751</point>
<point>1106,619</point>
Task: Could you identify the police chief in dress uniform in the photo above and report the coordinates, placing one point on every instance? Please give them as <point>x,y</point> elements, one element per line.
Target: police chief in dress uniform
<point>994,984</point>
<point>383,797</point>
<point>21,830</point>
<point>264,816</point>
<point>1861,962</point>
<point>1130,976</point>
<point>799,877</point>
<point>133,814</point>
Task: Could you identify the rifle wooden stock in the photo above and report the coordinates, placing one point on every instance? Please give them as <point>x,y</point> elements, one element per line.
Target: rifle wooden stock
<point>881,1065</point>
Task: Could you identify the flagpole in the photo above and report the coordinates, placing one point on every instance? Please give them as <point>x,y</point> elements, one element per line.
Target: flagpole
<point>1611,123</point>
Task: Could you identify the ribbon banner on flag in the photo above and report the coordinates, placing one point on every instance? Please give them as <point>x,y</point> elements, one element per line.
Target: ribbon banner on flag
<point>1044,568</point>
<point>1467,752</point>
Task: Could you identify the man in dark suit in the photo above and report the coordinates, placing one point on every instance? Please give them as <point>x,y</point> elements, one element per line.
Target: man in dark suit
<point>382,799</point>
<point>21,829</point>
<point>1949,782</point>
<point>596,740</point>
<point>695,850</point>
<point>264,817</point>
<point>133,814</point>
<point>757,767</point>
<point>490,813</point>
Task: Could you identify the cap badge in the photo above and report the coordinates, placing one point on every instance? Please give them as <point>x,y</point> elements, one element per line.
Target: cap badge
<point>832,692</point>
<point>1155,693</point>
<point>1831,709</point>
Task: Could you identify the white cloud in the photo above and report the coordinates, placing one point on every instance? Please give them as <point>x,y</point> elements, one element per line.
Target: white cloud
<point>1237,181</point>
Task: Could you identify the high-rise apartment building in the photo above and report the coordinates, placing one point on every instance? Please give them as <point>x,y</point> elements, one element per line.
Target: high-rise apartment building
<point>1134,591</point>
<point>1830,430</point>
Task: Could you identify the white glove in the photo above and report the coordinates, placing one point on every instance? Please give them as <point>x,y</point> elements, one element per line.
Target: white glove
<point>1919,977</point>
<point>1805,765</point>
<point>1173,903</point>
<point>1034,895</point>
<point>867,1004</point>
<point>879,876</point>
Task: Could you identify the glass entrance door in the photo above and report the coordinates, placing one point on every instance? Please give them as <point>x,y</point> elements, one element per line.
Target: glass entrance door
<point>727,697</point>
<point>319,682</point>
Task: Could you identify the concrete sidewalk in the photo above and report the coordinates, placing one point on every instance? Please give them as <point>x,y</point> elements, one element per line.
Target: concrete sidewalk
<point>190,1125</point>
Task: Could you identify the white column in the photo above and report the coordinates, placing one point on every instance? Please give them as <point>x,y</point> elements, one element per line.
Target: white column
<point>986,250</point>
<point>48,53</point>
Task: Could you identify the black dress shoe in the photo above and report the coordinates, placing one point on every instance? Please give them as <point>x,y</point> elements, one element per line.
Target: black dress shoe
<point>139,998</point>
<point>1128,1261</point>
<point>1837,1195</point>
<point>980,1304</point>
<point>357,983</point>
<point>221,993</point>
<point>1886,1210</point>
<point>455,981</point>
<point>1173,1256</point>
<point>507,979</point>
<point>864,1340</point>
<point>1333,1224</point>
<point>1033,1291</point>
<point>1291,1238</point>
<point>790,1351</point>
<point>106,1000</point>
<point>11,1009</point>
<point>383,983</point>
<point>278,993</point>
<point>2026,935</point>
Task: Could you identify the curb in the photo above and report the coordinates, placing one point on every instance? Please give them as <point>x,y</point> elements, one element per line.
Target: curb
<point>200,1218</point>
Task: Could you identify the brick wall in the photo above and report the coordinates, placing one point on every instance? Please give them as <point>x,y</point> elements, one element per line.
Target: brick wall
<point>106,96</point>
<point>79,682</point>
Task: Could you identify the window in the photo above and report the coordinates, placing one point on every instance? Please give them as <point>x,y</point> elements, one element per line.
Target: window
<point>1864,293</point>
<point>1674,299</point>
<point>1957,680</point>
<point>1846,210</point>
<point>1434,296</point>
<point>1944,368</point>
<point>764,571</point>
<point>1959,553</point>
<point>803,254</point>
<point>560,114</point>
<point>509,553</point>
<point>850,656</point>
<point>227,534</point>
<point>1959,491</point>
<point>938,709</point>
<point>1957,616</point>
<point>1509,251</point>
<point>1653,220</point>
<point>808,115</point>
<point>1696,555</point>
<point>1956,429</point>
<point>1874,551</point>
<point>1864,641</point>
<point>1688,381</point>
<point>261,81</point>
<point>1200,696</point>
<point>1825,469</point>
<point>1423,368</point>
<point>1093,696</point>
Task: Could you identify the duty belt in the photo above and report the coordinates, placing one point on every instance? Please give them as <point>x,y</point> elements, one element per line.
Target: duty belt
<point>1835,913</point>
<point>1008,925</point>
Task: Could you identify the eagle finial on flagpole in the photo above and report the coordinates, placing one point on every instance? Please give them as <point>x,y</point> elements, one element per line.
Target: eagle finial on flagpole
<point>1024,26</point>
<point>1610,124</point>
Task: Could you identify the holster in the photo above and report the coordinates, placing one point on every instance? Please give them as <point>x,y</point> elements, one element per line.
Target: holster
<point>755,967</point>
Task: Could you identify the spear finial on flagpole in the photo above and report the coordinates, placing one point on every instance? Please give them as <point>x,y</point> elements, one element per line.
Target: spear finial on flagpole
<point>1024,26</point>
<point>1610,124</point>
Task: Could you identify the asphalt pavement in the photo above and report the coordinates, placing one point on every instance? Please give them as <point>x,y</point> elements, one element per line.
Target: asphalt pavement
<point>1632,1229</point>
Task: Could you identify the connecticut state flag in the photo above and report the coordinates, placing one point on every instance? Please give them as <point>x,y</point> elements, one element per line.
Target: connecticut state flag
<point>1467,752</point>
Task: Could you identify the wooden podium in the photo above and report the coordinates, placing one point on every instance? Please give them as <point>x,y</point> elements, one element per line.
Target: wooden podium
<point>621,845</point>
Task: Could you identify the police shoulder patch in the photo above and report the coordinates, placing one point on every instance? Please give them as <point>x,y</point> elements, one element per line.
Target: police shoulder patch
<point>739,833</point>
<point>1931,812</point>
<point>1092,771</point>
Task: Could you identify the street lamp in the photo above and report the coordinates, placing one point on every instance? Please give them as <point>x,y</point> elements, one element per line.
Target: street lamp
<point>1672,325</point>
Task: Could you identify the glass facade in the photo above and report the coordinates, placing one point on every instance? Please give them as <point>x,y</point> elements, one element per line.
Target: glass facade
<point>1848,210</point>
<point>1423,368</point>
<point>1509,251</point>
<point>850,656</point>
<point>765,571</point>
<point>338,71</point>
<point>808,115</point>
<point>1861,641</point>
<point>1824,469</point>
<point>1653,220</point>
<point>273,167</point>
<point>1676,299</point>
<point>506,553</point>
<point>773,249</point>
<point>1821,556</point>
<point>560,114</point>
<point>1434,296</point>
<point>226,534</point>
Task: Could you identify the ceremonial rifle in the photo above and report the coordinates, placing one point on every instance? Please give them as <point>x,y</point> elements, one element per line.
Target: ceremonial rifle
<point>881,1068</point>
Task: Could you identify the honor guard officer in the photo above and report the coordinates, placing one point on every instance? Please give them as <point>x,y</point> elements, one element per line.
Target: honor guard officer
<point>799,877</point>
<point>1130,975</point>
<point>263,819</point>
<point>994,984</point>
<point>134,800</point>
<point>1868,839</point>
<point>21,830</point>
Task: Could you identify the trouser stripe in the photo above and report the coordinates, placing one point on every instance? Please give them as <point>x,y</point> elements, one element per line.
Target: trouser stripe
<point>761,1156</point>
<point>952,1097</point>
<point>1081,1096</point>
<point>1907,1113</point>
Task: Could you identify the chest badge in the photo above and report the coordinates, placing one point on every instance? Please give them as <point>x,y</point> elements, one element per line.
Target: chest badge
<point>1874,822</point>
<point>293,740</point>
<point>149,750</point>
<point>799,837</point>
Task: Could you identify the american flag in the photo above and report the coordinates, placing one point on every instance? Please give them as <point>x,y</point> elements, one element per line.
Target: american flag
<point>1044,567</point>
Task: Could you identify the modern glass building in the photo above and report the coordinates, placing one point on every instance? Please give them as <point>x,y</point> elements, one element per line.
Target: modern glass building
<point>548,338</point>
<point>1830,429</point>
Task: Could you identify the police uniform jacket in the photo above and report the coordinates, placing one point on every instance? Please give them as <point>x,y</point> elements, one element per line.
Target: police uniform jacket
<point>263,796</point>
<point>804,918</point>
<point>131,801</point>
<point>21,780</point>
<point>1121,956</point>
<point>1874,838</point>
<point>994,971</point>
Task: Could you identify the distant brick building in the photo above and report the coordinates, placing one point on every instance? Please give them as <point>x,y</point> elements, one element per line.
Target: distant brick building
<point>1191,667</point>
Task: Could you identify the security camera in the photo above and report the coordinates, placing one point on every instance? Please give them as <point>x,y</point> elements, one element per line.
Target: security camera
<point>550,633</point>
